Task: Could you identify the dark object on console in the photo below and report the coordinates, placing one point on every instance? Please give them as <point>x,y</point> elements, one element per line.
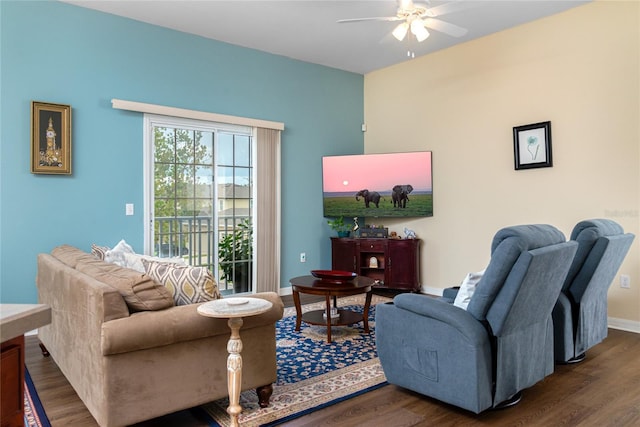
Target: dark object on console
<point>580,314</point>
<point>368,232</point>
<point>481,357</point>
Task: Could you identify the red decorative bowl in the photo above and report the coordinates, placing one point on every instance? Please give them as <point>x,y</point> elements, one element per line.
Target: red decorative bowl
<point>333,274</point>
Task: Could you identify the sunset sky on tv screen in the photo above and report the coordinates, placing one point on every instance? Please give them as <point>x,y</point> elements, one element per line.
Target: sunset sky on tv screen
<point>377,172</point>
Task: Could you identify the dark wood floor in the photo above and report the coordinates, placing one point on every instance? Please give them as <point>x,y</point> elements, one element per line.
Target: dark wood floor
<point>604,390</point>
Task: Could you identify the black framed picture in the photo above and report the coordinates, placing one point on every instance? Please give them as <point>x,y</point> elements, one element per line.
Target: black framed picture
<point>532,146</point>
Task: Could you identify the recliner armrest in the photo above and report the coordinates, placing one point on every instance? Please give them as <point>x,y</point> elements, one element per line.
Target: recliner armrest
<point>465,323</point>
<point>449,294</point>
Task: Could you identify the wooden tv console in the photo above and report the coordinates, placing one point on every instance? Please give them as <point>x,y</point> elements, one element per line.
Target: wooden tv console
<point>393,263</point>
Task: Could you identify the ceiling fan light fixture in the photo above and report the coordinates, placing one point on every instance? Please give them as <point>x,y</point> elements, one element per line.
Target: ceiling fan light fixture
<point>418,29</point>
<point>400,31</point>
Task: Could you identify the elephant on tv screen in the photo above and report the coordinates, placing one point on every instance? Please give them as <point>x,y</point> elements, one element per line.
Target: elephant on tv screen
<point>369,197</point>
<point>400,195</point>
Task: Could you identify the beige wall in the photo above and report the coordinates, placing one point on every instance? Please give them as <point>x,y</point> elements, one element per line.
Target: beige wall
<point>578,69</point>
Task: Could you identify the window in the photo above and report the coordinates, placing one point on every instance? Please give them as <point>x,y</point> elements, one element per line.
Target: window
<point>200,196</point>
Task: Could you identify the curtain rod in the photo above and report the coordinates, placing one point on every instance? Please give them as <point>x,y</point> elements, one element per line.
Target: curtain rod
<point>193,114</point>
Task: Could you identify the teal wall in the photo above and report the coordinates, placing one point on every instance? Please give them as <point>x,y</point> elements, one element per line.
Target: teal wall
<point>55,52</point>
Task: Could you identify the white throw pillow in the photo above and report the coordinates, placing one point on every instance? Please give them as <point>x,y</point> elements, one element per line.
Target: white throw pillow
<point>467,287</point>
<point>134,261</point>
<point>116,255</point>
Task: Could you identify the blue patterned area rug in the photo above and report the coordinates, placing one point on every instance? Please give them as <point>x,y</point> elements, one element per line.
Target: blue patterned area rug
<point>312,374</point>
<point>34,415</point>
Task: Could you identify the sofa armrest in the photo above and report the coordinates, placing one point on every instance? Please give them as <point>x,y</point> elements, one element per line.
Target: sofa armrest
<point>151,329</point>
<point>70,292</point>
<point>79,306</point>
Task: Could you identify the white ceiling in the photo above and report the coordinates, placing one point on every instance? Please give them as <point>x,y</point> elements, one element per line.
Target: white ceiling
<point>307,29</point>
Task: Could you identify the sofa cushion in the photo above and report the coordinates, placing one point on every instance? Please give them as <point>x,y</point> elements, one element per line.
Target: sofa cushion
<point>187,284</point>
<point>71,255</point>
<point>140,292</point>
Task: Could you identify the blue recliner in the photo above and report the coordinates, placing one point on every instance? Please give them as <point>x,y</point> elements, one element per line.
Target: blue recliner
<point>503,343</point>
<point>580,314</point>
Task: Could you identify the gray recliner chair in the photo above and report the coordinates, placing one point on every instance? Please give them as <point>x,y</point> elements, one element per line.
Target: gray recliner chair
<point>580,314</point>
<point>484,356</point>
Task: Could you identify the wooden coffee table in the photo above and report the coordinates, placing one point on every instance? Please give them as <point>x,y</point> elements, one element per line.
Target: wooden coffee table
<point>331,288</point>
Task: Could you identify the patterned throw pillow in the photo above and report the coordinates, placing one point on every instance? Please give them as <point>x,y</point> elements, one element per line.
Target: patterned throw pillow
<point>99,252</point>
<point>187,284</point>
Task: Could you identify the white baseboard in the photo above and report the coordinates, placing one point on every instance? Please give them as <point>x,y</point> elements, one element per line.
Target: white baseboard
<point>285,291</point>
<point>624,325</point>
<point>431,291</point>
<point>614,323</point>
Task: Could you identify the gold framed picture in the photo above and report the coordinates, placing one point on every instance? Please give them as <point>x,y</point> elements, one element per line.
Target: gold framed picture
<point>50,138</point>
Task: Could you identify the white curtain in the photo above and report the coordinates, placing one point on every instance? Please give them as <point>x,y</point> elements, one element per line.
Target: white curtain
<point>267,257</point>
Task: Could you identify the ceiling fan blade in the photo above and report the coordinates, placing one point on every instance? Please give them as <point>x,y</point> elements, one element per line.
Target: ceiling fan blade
<point>382,18</point>
<point>445,27</point>
<point>453,6</point>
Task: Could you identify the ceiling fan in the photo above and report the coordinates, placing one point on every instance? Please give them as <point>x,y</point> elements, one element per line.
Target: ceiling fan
<point>418,16</point>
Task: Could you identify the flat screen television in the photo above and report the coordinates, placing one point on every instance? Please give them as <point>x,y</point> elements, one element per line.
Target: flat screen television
<point>377,185</point>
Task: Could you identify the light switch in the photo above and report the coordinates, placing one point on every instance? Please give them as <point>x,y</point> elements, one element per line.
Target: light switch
<point>128,209</point>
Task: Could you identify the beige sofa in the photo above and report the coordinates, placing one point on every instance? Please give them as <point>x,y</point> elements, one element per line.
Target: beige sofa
<point>129,366</point>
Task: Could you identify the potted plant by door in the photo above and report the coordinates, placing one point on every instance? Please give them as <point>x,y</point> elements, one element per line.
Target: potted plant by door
<point>339,226</point>
<point>235,256</point>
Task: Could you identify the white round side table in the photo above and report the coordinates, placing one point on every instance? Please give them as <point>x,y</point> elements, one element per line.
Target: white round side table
<point>234,309</point>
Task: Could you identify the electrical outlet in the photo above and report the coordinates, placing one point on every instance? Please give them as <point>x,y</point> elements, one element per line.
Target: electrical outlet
<point>128,209</point>
<point>625,281</point>
<point>303,257</point>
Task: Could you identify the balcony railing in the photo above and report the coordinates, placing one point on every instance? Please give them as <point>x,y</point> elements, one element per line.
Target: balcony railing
<point>192,239</point>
